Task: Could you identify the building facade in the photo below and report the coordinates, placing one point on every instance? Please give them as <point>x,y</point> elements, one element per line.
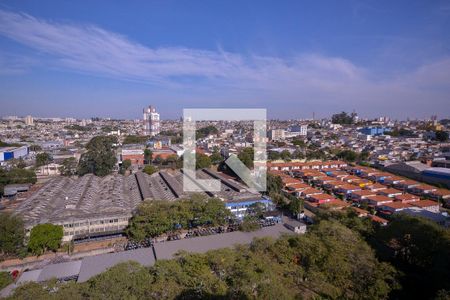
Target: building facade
<point>151,121</point>
<point>29,121</point>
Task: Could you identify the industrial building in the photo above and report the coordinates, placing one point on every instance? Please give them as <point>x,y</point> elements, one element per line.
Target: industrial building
<point>90,266</point>
<point>88,206</point>
<point>8,153</point>
<point>134,154</point>
<point>92,206</point>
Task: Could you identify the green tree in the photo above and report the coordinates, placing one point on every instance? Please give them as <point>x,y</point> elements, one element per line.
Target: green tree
<point>420,249</point>
<point>348,155</point>
<point>273,155</point>
<point>44,237</point>
<point>68,167</point>
<point>12,234</point>
<point>342,118</point>
<point>246,156</point>
<point>285,155</point>
<point>156,217</point>
<point>16,176</point>
<point>330,261</point>
<point>202,161</point>
<point>298,154</point>
<point>131,281</point>
<point>158,160</point>
<point>274,184</point>
<point>295,206</point>
<point>100,158</point>
<point>441,136</point>
<point>17,163</point>
<point>149,169</point>
<point>249,223</point>
<point>206,131</point>
<point>126,165</point>
<point>148,156</point>
<point>43,159</point>
<point>171,160</point>
<point>364,155</point>
<point>299,143</point>
<point>216,158</point>
<point>5,279</point>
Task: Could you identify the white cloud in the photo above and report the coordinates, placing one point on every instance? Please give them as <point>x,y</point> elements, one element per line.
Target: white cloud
<point>306,77</point>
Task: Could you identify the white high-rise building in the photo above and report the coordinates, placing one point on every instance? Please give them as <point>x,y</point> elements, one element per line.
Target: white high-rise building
<point>28,120</point>
<point>151,121</point>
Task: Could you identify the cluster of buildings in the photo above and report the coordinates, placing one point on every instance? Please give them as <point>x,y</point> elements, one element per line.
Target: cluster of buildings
<point>84,269</point>
<point>91,206</point>
<point>371,192</point>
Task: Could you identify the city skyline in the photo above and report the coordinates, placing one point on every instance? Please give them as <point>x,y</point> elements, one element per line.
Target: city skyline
<point>56,59</point>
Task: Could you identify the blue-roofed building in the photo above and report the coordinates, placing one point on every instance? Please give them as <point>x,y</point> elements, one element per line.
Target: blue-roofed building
<point>437,176</point>
<point>8,153</point>
<point>374,130</point>
<point>240,208</point>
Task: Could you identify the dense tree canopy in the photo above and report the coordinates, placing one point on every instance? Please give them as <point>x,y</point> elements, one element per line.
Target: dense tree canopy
<point>148,155</point>
<point>135,139</point>
<point>206,131</point>
<point>68,166</point>
<point>343,118</point>
<point>441,136</point>
<point>12,234</point>
<point>149,169</point>
<point>421,250</point>
<point>100,158</point>
<point>44,237</point>
<point>154,218</point>
<point>5,279</point>
<point>329,262</point>
<point>347,155</point>
<point>202,161</point>
<point>43,159</point>
<point>247,156</point>
<point>273,155</point>
<point>77,127</point>
<point>16,175</point>
<point>216,158</point>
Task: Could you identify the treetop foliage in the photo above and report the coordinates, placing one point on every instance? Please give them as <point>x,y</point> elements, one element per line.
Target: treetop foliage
<point>331,261</point>
<point>205,131</point>
<point>100,158</point>
<point>343,118</point>
<point>12,234</point>
<point>44,237</point>
<point>16,175</point>
<point>154,218</point>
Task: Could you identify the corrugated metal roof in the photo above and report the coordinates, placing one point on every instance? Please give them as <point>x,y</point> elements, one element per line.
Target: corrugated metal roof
<point>60,271</point>
<point>29,276</point>
<point>94,265</point>
<point>167,250</point>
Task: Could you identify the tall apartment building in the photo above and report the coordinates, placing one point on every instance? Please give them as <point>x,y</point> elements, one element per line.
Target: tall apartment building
<point>28,120</point>
<point>277,134</point>
<point>151,121</point>
<point>297,130</point>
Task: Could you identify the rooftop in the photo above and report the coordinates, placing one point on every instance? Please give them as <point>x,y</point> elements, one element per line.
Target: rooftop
<point>65,198</point>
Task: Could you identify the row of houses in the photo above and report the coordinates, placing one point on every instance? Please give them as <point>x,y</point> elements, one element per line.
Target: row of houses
<point>384,192</point>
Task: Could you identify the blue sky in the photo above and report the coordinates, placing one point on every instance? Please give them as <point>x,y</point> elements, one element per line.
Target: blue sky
<point>112,58</point>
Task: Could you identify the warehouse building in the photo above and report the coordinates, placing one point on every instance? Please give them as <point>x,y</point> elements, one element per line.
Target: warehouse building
<point>8,153</point>
<point>90,206</point>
